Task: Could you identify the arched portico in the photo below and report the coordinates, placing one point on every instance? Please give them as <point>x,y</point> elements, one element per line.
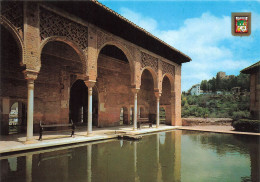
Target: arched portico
<point>59,49</point>
<point>127,53</point>
<point>17,37</point>
<point>12,83</point>
<point>62,64</point>
<point>146,94</point>
<point>69,42</point>
<point>114,74</point>
<point>154,75</point>
<point>166,97</point>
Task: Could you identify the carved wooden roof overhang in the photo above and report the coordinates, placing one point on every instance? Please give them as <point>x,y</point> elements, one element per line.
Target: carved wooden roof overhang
<point>105,18</point>
<point>252,69</point>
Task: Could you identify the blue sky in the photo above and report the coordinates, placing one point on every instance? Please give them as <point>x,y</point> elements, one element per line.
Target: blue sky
<point>200,29</point>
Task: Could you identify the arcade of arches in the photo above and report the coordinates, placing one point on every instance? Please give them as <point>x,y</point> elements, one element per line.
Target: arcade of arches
<point>80,74</point>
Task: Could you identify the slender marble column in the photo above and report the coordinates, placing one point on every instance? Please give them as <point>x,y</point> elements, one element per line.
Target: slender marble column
<point>157,94</point>
<point>30,76</point>
<point>90,85</point>
<point>135,91</point>
<point>135,111</point>
<point>30,84</point>
<point>89,110</point>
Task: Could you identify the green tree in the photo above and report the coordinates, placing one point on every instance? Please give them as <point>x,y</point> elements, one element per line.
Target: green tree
<point>204,85</point>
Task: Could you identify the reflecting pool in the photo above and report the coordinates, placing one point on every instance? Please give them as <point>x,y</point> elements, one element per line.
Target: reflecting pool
<point>162,157</point>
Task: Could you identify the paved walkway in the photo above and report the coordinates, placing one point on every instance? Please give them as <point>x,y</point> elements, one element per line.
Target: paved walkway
<point>217,129</point>
<point>16,142</point>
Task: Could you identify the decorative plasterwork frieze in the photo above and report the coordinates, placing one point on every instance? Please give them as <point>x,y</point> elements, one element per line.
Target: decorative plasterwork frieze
<point>13,12</point>
<point>103,38</point>
<point>167,68</point>
<point>148,60</point>
<point>52,24</point>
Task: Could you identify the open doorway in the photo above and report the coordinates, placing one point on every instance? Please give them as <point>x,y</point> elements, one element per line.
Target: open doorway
<point>78,103</point>
<point>17,118</point>
<point>162,115</point>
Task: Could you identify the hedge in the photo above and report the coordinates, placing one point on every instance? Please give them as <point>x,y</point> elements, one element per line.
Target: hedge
<point>247,125</point>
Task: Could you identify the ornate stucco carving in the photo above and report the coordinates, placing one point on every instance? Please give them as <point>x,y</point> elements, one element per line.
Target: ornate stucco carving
<point>52,24</point>
<point>103,38</point>
<point>148,60</point>
<point>13,12</point>
<point>167,68</point>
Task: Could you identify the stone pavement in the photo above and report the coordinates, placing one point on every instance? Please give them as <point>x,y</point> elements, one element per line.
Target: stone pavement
<point>16,142</point>
<point>216,129</point>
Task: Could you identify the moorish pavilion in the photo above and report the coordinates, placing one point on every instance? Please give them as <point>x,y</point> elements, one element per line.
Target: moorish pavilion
<point>81,62</point>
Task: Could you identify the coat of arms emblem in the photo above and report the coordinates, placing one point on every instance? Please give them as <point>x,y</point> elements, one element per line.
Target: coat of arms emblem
<point>241,24</point>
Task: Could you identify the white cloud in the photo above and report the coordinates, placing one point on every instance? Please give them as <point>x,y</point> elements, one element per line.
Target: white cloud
<point>146,23</point>
<point>202,39</point>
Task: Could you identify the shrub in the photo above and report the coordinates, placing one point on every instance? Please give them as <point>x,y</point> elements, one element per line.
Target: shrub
<point>247,125</point>
<point>240,114</point>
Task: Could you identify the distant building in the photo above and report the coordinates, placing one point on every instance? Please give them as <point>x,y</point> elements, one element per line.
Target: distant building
<point>223,75</point>
<point>219,92</point>
<point>195,89</point>
<point>236,90</point>
<point>254,71</point>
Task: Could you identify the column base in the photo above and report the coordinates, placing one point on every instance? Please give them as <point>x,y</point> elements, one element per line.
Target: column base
<point>134,129</point>
<point>31,141</point>
<point>90,134</point>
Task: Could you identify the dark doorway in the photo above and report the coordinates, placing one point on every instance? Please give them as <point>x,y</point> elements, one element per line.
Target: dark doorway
<point>124,116</point>
<point>78,102</point>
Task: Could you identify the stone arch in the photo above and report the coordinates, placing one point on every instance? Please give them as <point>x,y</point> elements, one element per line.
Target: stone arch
<point>154,75</point>
<point>171,78</point>
<point>127,53</point>
<point>71,43</point>
<point>11,28</point>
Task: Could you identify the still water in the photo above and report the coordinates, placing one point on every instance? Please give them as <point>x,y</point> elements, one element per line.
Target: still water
<point>162,157</point>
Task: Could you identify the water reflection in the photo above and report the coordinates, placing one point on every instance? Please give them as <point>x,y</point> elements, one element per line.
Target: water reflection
<point>13,163</point>
<point>234,157</point>
<point>162,157</point>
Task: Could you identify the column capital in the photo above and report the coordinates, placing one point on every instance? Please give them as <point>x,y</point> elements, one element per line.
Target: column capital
<point>157,94</point>
<point>30,74</point>
<point>90,83</point>
<point>134,89</point>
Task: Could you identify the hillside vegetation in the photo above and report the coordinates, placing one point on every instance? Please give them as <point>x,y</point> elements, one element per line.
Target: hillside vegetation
<point>216,106</point>
<point>225,84</point>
